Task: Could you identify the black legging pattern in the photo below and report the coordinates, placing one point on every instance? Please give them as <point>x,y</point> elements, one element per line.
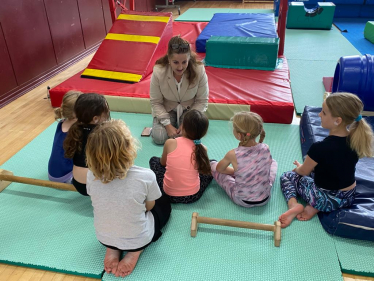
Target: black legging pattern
<point>159,170</point>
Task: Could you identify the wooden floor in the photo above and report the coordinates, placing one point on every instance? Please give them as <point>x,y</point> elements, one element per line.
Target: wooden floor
<point>25,118</point>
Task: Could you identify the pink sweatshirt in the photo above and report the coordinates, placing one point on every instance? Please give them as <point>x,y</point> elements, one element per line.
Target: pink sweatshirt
<point>181,177</point>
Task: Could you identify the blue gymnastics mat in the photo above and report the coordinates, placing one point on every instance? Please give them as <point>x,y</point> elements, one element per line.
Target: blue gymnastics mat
<point>353,30</point>
<point>206,14</point>
<point>53,230</point>
<point>237,25</point>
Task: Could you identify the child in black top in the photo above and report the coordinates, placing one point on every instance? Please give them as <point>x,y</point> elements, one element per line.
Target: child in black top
<point>333,160</point>
<point>90,110</point>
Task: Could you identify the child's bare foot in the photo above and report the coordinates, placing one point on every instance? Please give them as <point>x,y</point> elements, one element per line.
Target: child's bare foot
<point>111,260</point>
<point>308,213</point>
<point>127,264</point>
<point>287,217</point>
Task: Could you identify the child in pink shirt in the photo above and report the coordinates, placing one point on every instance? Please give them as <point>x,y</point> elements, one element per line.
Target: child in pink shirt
<point>183,172</point>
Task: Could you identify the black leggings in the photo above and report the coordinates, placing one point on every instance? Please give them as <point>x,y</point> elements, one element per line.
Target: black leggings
<point>159,170</point>
<point>161,214</point>
<point>80,187</point>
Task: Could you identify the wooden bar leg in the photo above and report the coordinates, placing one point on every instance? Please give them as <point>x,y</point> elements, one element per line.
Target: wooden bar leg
<point>194,224</point>
<point>277,233</point>
<point>4,184</point>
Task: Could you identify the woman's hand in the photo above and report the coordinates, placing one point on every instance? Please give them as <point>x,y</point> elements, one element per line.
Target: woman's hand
<point>171,131</point>
<point>179,131</point>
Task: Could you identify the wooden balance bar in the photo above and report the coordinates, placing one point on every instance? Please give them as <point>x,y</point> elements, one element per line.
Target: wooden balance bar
<point>7,177</point>
<point>276,228</point>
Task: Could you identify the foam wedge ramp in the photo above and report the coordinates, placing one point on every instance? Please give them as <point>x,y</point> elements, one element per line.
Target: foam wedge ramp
<point>43,227</point>
<point>132,46</point>
<point>222,253</point>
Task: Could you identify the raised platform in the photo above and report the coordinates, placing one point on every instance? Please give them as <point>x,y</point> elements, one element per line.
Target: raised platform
<point>267,93</point>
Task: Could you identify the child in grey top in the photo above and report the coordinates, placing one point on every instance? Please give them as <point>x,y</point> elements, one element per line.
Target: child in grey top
<point>129,210</point>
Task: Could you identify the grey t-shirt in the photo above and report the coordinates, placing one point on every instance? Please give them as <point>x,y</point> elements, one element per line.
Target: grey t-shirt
<point>120,216</point>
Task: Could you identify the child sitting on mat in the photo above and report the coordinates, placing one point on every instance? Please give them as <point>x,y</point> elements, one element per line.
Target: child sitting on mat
<point>249,181</point>
<point>129,211</point>
<point>332,185</point>
<point>185,157</point>
<point>90,110</point>
<point>60,169</point>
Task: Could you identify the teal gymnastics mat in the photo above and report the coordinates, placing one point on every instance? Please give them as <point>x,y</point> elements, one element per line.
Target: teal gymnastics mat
<point>53,230</point>
<point>206,14</point>
<point>313,54</point>
<point>221,253</point>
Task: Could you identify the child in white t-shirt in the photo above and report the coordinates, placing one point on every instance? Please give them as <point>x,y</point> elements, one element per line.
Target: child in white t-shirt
<point>129,211</point>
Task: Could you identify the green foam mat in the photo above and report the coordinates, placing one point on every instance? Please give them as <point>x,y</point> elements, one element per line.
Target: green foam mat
<point>355,256</point>
<point>206,14</point>
<point>317,45</point>
<point>313,54</point>
<point>46,228</point>
<point>306,81</point>
<point>222,253</point>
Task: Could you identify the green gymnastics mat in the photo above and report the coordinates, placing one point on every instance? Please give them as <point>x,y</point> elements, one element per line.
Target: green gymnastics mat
<point>313,54</point>
<point>222,253</point>
<point>53,229</point>
<point>206,14</point>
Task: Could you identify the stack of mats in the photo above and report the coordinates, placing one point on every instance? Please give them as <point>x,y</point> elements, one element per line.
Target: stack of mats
<point>130,49</point>
<point>243,41</point>
<point>230,90</point>
<point>53,229</point>
<point>312,55</point>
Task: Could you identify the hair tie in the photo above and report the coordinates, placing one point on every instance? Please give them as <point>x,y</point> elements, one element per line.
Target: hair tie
<point>196,142</point>
<point>248,134</point>
<point>358,118</point>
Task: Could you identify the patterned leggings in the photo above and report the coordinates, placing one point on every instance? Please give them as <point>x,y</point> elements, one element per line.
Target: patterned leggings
<point>159,170</point>
<point>292,184</point>
<point>229,185</point>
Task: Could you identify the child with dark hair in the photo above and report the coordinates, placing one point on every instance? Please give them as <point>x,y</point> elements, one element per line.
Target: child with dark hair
<point>90,110</point>
<point>60,169</point>
<point>183,172</point>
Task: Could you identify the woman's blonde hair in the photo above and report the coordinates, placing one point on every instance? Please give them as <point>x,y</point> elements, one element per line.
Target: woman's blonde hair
<point>249,125</point>
<point>193,61</point>
<point>111,151</point>
<point>349,107</point>
<point>67,107</point>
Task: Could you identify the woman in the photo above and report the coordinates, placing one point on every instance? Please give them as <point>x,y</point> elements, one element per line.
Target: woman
<point>179,83</point>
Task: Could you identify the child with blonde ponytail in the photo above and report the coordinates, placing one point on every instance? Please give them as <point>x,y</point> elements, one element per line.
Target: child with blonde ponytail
<point>249,181</point>
<point>333,160</point>
<point>60,169</point>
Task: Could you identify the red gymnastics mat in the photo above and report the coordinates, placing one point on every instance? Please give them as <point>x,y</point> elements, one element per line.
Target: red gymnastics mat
<point>267,93</point>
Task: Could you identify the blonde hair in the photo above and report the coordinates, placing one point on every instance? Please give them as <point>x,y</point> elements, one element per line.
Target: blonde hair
<point>67,107</point>
<point>348,107</point>
<point>111,151</point>
<point>249,125</point>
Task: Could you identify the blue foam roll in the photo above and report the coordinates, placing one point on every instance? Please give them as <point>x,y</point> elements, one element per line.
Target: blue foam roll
<point>355,74</point>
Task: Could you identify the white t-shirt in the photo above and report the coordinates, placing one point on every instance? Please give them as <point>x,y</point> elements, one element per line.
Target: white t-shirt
<point>120,216</point>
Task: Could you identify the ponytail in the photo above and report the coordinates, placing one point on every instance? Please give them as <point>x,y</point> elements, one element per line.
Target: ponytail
<point>202,160</point>
<point>58,113</point>
<point>262,135</point>
<point>73,141</point>
<point>360,138</point>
